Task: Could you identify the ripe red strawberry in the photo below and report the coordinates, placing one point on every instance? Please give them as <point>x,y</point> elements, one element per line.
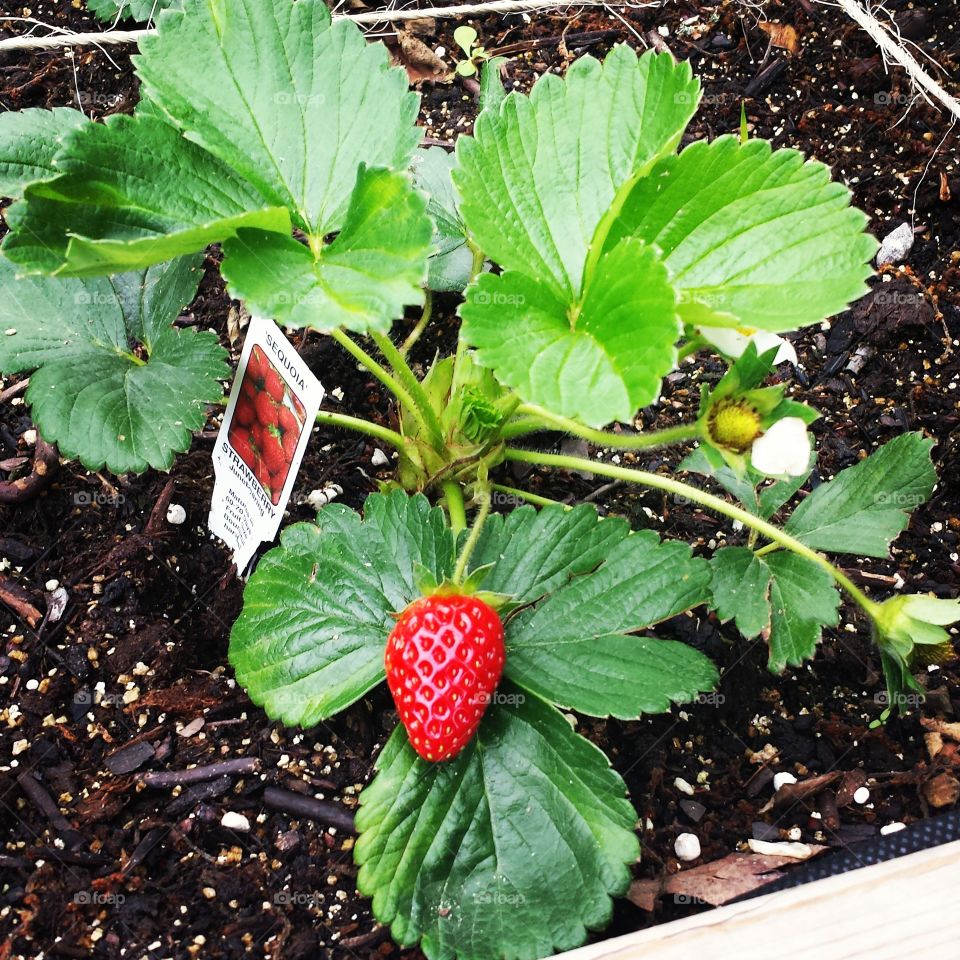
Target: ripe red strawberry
<point>443,660</point>
<point>287,421</point>
<point>273,383</point>
<point>242,442</point>
<point>244,413</point>
<point>271,449</point>
<point>266,409</point>
<point>262,473</point>
<point>290,439</point>
<point>257,365</point>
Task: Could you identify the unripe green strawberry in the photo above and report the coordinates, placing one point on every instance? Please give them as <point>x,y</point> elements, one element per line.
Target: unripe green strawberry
<point>444,659</point>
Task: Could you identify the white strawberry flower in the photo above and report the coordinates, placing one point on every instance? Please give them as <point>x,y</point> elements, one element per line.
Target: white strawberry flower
<point>784,450</point>
<point>733,342</point>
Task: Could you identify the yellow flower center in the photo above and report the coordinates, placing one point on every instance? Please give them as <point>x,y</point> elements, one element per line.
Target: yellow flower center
<point>734,424</point>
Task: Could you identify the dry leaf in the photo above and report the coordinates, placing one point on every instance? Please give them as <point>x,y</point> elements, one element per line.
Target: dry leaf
<point>781,35</point>
<point>715,883</point>
<point>942,791</point>
<point>791,793</point>
<point>420,62</point>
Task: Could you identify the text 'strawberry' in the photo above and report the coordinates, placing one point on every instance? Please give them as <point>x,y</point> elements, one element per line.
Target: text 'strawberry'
<point>444,659</point>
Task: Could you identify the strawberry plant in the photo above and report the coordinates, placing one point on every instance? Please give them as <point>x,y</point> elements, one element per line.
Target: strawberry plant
<point>593,254</point>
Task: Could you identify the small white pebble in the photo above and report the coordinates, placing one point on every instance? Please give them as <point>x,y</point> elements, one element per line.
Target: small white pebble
<point>862,795</point>
<point>10,331</point>
<point>320,498</point>
<point>894,827</point>
<point>51,585</point>
<point>782,779</point>
<point>235,821</point>
<point>796,851</point>
<point>176,514</point>
<point>29,437</point>
<point>379,459</point>
<point>683,786</point>
<point>19,746</point>
<point>794,833</point>
<point>687,847</point>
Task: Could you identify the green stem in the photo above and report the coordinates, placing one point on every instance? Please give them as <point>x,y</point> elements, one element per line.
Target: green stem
<point>458,513</point>
<point>690,347</point>
<point>427,415</point>
<point>332,419</point>
<point>480,519</point>
<point>769,548</point>
<point>529,497</point>
<point>612,441</point>
<point>705,499</point>
<point>392,384</point>
<point>417,331</point>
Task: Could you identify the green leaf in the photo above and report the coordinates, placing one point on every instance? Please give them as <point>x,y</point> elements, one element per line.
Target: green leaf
<point>361,281</point>
<point>751,237</point>
<point>803,598</point>
<point>541,171</point>
<point>140,10</point>
<point>114,382</point>
<point>512,849</point>
<point>492,92</point>
<point>788,596</point>
<point>535,552</point>
<point>452,260</point>
<point>571,648</point>
<point>708,462</point>
<point>774,496</point>
<point>292,103</point>
<point>102,215</point>
<point>740,588</point>
<point>596,364</point>
<point>317,612</point>
<point>29,139</point>
<point>866,506</point>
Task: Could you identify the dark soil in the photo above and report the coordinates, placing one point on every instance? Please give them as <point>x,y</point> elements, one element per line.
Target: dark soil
<point>93,863</point>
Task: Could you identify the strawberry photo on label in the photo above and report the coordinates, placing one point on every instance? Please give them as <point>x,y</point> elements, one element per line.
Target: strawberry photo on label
<point>443,660</point>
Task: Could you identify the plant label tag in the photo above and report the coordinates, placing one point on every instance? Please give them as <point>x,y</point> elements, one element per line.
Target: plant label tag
<point>262,440</point>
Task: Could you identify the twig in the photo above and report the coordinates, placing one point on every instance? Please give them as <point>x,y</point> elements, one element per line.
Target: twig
<point>322,811</point>
<point>15,390</point>
<point>46,805</point>
<point>45,463</point>
<point>899,54</point>
<point>17,599</point>
<point>115,37</point>
<point>174,778</point>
